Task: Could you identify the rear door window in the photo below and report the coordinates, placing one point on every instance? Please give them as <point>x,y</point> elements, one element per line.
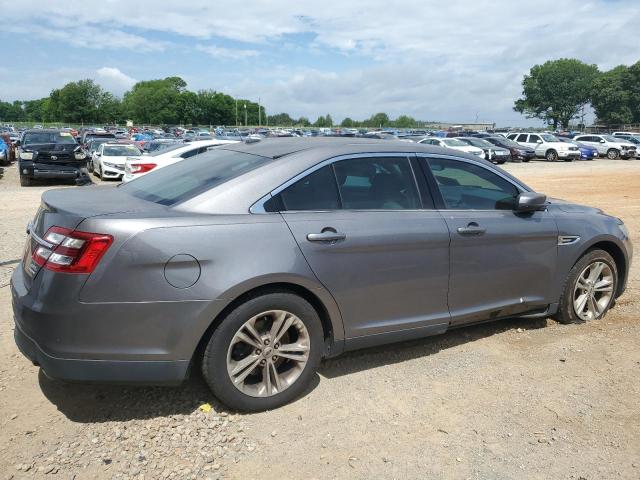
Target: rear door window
<point>522,138</point>
<point>316,191</point>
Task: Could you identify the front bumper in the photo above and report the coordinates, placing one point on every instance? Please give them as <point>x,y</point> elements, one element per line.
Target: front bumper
<point>117,343</point>
<point>50,170</point>
<point>569,154</point>
<point>112,172</point>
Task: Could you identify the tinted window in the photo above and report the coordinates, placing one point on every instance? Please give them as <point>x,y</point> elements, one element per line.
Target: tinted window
<point>377,184</point>
<point>522,137</point>
<point>184,180</point>
<point>33,138</point>
<point>316,191</point>
<point>534,138</point>
<point>465,186</point>
<point>191,153</point>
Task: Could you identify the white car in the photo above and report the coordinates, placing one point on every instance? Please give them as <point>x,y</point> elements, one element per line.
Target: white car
<point>547,146</point>
<point>108,160</point>
<point>612,147</point>
<point>454,144</point>
<point>138,167</point>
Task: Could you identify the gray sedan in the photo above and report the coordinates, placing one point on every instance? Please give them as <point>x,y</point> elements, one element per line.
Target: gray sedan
<point>254,261</point>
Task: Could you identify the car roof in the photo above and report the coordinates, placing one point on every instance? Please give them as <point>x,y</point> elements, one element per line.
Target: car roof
<point>294,155</point>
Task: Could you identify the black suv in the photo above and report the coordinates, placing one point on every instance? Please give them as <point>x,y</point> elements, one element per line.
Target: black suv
<point>48,153</point>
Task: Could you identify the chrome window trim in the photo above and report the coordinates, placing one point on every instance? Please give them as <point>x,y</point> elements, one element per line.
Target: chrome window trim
<point>258,206</point>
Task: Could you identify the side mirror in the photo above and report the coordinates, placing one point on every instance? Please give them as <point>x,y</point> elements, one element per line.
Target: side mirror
<point>98,154</point>
<point>602,141</point>
<point>538,141</point>
<point>530,202</point>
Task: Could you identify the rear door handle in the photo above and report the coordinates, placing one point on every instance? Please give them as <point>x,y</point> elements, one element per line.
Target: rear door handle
<point>326,236</point>
<point>472,229</point>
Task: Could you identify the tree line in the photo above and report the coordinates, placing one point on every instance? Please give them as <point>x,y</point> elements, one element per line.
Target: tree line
<point>558,90</point>
<point>165,102</point>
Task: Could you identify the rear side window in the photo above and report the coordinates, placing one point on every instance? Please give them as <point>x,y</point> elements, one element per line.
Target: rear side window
<point>534,138</point>
<point>522,138</point>
<point>377,184</point>
<point>186,179</point>
<point>316,191</point>
<point>465,186</point>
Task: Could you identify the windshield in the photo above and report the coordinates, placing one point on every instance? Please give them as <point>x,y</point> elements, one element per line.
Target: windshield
<point>31,138</point>
<point>120,150</point>
<point>94,144</point>
<point>453,142</point>
<point>168,148</point>
<point>191,177</point>
<point>549,138</point>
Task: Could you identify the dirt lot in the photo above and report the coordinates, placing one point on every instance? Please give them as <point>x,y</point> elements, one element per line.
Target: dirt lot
<point>510,400</point>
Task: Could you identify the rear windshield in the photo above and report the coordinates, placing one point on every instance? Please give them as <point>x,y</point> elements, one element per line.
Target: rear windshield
<point>191,177</point>
<point>31,138</point>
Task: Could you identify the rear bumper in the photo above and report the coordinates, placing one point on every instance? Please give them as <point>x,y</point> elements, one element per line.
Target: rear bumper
<point>146,343</point>
<point>102,371</point>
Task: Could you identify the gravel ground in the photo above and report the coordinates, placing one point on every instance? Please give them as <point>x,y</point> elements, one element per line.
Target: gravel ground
<point>508,400</point>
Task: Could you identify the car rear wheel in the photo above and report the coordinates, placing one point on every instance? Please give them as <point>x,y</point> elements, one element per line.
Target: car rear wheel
<point>613,154</point>
<point>264,353</point>
<point>590,288</point>
<point>551,155</point>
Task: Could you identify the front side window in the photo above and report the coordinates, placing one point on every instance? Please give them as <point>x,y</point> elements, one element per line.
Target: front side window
<point>522,138</point>
<point>465,186</point>
<point>534,139</point>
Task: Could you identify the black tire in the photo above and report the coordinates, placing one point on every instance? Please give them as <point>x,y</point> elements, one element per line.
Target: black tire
<point>25,181</point>
<point>98,172</point>
<point>551,155</point>
<point>502,162</point>
<point>526,160</point>
<point>214,360</point>
<point>613,154</point>
<point>570,159</point>
<point>566,313</point>
<point>90,166</point>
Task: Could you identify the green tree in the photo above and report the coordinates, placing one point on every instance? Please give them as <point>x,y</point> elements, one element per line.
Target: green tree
<point>378,120</point>
<point>556,90</point>
<point>281,120</point>
<point>155,101</point>
<point>320,122</point>
<point>347,123</point>
<point>404,121</point>
<point>303,122</point>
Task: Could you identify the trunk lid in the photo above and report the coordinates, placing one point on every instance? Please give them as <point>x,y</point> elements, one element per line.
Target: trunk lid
<point>67,208</point>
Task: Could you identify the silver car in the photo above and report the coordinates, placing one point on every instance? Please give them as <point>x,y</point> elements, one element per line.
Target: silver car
<point>254,261</point>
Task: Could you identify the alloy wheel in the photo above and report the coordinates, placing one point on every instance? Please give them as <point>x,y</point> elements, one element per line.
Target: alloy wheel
<point>268,353</point>
<point>593,291</point>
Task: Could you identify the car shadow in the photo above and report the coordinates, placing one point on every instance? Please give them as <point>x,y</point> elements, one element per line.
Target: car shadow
<point>90,403</point>
<point>368,358</point>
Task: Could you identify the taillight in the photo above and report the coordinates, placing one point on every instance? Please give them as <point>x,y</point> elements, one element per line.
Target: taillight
<point>72,251</point>
<point>142,167</point>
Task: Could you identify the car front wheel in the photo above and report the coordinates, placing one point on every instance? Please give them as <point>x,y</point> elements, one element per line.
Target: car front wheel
<point>264,353</point>
<point>551,156</point>
<point>590,288</point>
<point>613,154</point>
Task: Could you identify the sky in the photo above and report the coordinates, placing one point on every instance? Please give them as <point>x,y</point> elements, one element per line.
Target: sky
<point>451,61</point>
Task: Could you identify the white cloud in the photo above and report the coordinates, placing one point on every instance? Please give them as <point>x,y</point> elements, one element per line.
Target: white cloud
<point>226,53</point>
<point>435,60</point>
<point>113,80</point>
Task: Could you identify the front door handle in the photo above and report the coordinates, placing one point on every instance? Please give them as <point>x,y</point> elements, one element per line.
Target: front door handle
<point>327,235</point>
<point>472,229</point>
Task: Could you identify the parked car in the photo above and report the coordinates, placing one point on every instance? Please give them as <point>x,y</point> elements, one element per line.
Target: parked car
<point>253,261</point>
<point>624,134</point>
<point>138,167</point>
<point>160,144</point>
<point>547,146</point>
<point>89,135</point>
<point>635,139</point>
<point>608,145</point>
<point>5,157</point>
<point>108,161</point>
<point>518,152</point>
<point>586,152</point>
<point>49,153</point>
<point>453,144</point>
<point>492,152</point>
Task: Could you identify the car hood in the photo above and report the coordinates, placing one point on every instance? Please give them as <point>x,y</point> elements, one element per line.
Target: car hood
<point>568,207</point>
